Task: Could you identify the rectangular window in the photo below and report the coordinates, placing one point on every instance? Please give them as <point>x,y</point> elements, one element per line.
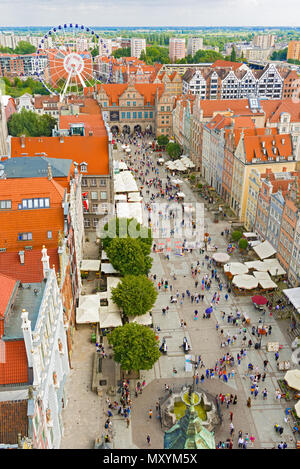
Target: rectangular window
<point>87,223</point>
<point>24,236</point>
<point>134,103</point>
<point>140,115</point>
<point>49,234</point>
<point>84,182</point>
<point>94,182</point>
<point>95,221</point>
<point>128,115</point>
<point>102,182</point>
<point>134,115</point>
<point>103,195</point>
<point>94,195</point>
<point>128,103</point>
<point>123,115</point>
<point>5,204</point>
<point>151,114</point>
<point>146,115</point>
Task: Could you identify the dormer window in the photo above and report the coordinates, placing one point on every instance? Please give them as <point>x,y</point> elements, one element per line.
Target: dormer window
<point>83,167</point>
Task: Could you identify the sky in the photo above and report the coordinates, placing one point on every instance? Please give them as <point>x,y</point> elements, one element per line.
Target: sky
<point>150,12</point>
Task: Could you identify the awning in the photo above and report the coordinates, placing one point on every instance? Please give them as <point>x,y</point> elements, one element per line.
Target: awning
<point>292,377</point>
<point>107,268</point>
<point>257,265</point>
<point>143,320</point>
<point>264,250</point>
<point>180,194</point>
<point>108,319</point>
<point>274,267</point>
<point>88,309</point>
<point>92,265</point>
<point>119,197</point>
<point>293,294</point>
<point>249,235</point>
<point>222,257</point>
<point>247,282</point>
<point>297,408</point>
<point>235,268</point>
<point>125,182</point>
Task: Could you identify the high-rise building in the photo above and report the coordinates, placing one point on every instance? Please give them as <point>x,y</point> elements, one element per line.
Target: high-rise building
<point>293,50</point>
<point>105,47</point>
<point>176,48</point>
<point>264,41</point>
<point>137,46</point>
<point>194,44</point>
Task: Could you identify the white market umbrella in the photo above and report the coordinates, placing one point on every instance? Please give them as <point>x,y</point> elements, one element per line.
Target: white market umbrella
<point>222,257</point>
<point>180,194</point>
<point>236,268</point>
<point>160,160</point>
<point>248,282</point>
<point>292,377</point>
<point>177,181</point>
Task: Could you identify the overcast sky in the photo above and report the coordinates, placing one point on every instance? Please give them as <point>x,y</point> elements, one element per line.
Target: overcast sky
<point>151,12</point>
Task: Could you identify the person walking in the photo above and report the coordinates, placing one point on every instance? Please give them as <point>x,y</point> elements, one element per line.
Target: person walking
<point>231,416</point>
<point>150,414</point>
<point>148,440</point>
<point>231,429</point>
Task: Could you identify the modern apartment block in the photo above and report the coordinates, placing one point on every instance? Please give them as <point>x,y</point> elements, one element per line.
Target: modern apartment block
<point>264,41</point>
<point>194,44</point>
<point>176,49</point>
<point>293,50</point>
<point>137,46</point>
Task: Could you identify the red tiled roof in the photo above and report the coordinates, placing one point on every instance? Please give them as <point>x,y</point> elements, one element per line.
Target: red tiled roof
<point>254,148</point>
<point>91,149</point>
<point>14,368</point>
<point>32,269</point>
<point>7,285</point>
<point>226,63</point>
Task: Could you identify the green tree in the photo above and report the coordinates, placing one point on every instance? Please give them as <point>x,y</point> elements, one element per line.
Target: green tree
<point>125,227</point>
<point>30,124</point>
<point>243,243</point>
<point>134,346</point>
<point>24,47</point>
<point>162,140</point>
<point>127,256</point>
<point>136,295</point>
<point>173,149</point>
<point>122,52</point>
<point>233,55</point>
<point>236,235</point>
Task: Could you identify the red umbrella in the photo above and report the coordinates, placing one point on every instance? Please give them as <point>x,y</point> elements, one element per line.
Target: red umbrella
<point>259,300</point>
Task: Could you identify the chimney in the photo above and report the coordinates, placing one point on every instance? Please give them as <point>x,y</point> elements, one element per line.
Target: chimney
<point>22,139</point>
<point>90,133</point>
<point>22,257</point>
<point>61,139</point>
<point>283,170</point>
<point>26,327</point>
<point>45,262</point>
<point>49,172</point>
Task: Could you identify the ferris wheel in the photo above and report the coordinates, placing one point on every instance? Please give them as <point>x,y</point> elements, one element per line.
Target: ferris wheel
<point>64,62</point>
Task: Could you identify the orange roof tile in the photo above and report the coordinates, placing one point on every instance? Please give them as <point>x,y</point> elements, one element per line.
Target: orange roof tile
<point>254,146</point>
<point>7,285</point>
<point>91,149</point>
<point>226,63</point>
<point>14,369</point>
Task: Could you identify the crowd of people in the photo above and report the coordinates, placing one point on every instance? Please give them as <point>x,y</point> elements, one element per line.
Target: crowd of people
<point>209,288</point>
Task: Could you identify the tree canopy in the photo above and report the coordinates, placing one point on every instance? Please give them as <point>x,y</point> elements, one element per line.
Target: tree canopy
<point>134,346</point>
<point>162,140</point>
<point>155,54</point>
<point>122,52</point>
<point>201,56</point>
<point>236,235</point>
<point>125,227</point>
<point>173,149</point>
<point>128,256</point>
<point>136,295</point>
<point>30,124</point>
<point>17,87</point>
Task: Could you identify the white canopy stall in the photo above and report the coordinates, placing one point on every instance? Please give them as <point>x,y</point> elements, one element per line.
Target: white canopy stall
<point>264,250</point>
<point>235,268</point>
<point>88,309</point>
<point>244,281</point>
<point>293,294</point>
<point>91,265</point>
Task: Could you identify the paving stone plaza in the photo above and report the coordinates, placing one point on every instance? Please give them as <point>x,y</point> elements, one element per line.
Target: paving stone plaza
<point>86,412</point>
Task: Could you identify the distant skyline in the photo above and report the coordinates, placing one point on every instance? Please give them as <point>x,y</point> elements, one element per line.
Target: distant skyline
<point>137,13</point>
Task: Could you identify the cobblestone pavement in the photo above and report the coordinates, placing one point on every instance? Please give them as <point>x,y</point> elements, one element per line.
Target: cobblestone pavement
<point>85,413</point>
